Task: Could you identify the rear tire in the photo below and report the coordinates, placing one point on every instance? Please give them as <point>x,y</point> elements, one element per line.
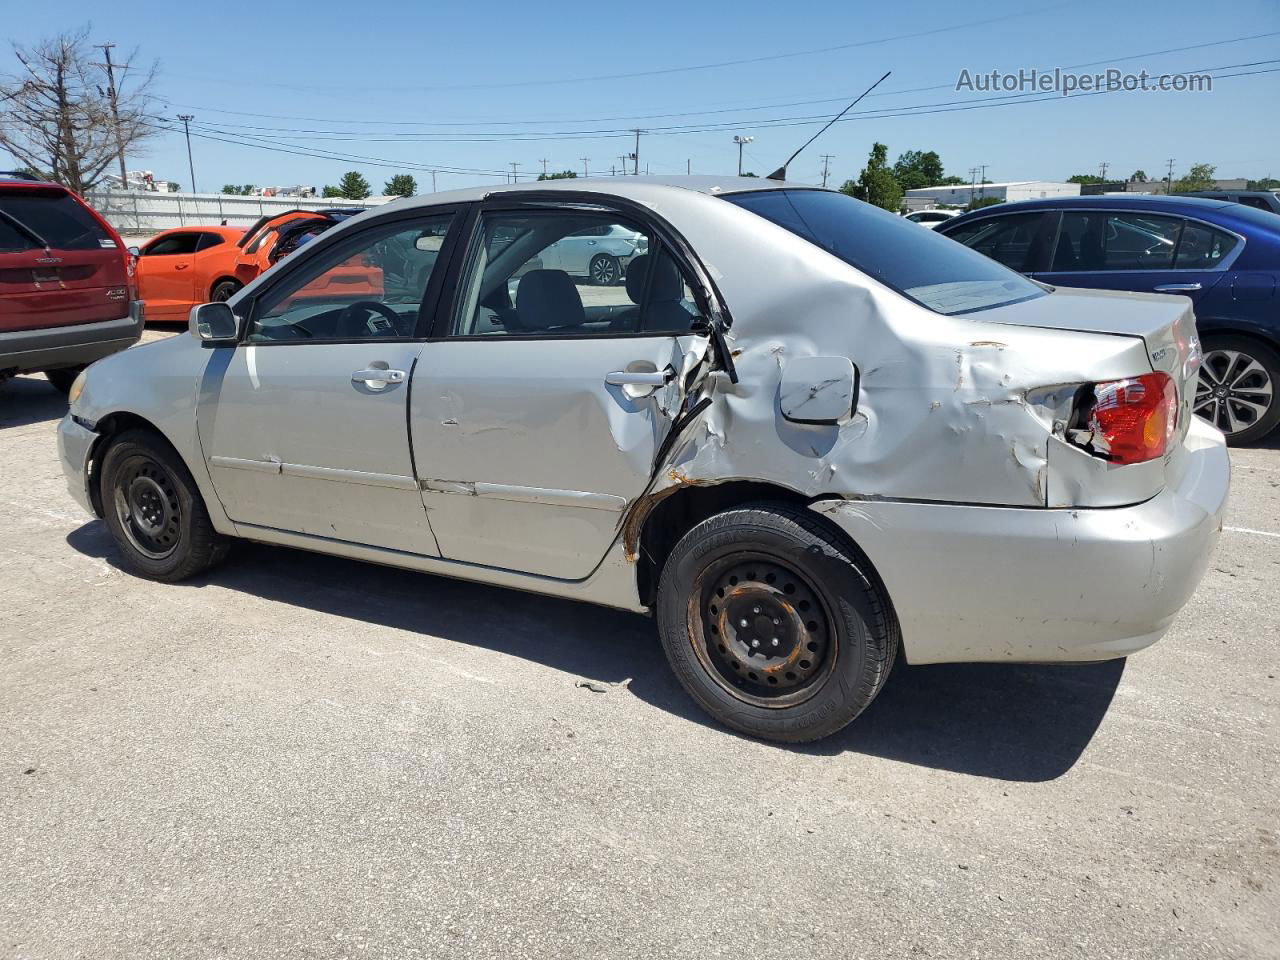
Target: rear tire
<point>605,270</point>
<point>773,625</point>
<point>1238,390</point>
<point>225,290</point>
<point>62,378</point>
<point>155,512</point>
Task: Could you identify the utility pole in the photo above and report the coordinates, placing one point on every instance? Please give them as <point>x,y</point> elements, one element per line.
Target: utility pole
<point>115,111</point>
<point>186,119</point>
<point>973,181</point>
<point>515,177</point>
<point>982,180</point>
<point>623,158</point>
<point>1169,181</point>
<point>635,157</point>
<point>584,166</point>
<point>433,181</point>
<point>741,142</point>
<point>688,167</point>
<point>544,167</point>
<point>826,167</point>
<point>1102,169</point>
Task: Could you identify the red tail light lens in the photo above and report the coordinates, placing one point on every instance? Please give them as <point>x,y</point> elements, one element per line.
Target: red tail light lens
<point>1132,420</point>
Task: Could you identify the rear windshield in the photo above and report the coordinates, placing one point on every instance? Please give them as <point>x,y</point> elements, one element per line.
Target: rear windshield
<point>945,276</point>
<point>57,218</point>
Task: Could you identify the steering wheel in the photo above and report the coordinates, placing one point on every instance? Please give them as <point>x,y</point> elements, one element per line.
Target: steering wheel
<point>355,322</point>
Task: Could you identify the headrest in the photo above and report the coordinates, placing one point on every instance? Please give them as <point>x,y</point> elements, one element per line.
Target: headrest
<point>667,283</point>
<point>548,298</point>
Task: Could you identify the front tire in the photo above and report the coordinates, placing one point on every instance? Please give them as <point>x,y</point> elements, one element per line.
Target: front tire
<point>773,625</point>
<point>1238,390</point>
<point>605,270</point>
<point>155,512</point>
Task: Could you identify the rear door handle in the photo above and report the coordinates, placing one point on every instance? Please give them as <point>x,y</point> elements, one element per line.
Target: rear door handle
<point>1177,288</point>
<point>376,379</point>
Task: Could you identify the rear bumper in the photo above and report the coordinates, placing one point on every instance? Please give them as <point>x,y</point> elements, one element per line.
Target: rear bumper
<point>75,443</point>
<point>29,350</point>
<point>1044,585</point>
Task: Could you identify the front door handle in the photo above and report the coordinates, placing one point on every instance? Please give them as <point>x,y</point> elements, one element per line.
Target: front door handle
<point>641,378</point>
<point>1177,288</point>
<point>376,379</point>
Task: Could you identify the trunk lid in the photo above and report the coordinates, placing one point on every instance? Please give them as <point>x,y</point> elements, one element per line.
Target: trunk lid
<point>60,265</point>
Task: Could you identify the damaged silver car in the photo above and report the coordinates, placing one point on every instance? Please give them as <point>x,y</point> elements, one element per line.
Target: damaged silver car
<point>804,433</point>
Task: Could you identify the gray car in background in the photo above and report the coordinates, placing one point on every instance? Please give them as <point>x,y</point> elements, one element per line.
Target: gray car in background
<point>805,434</point>
<point>601,253</point>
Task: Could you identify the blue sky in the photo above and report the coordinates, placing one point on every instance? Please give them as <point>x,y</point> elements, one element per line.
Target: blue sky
<point>358,77</point>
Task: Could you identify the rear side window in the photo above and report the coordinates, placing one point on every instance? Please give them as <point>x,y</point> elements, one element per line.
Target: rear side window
<point>922,265</point>
<point>1255,202</point>
<point>1008,239</point>
<point>1202,247</point>
<point>57,218</point>
<point>208,240</point>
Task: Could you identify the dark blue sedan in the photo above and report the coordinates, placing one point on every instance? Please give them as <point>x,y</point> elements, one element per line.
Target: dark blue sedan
<point>1224,256</point>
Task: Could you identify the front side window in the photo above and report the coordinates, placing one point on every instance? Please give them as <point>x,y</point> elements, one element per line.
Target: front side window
<point>1097,240</point>
<point>370,287</point>
<point>922,265</point>
<point>570,274</point>
<point>1008,239</point>
<point>173,245</point>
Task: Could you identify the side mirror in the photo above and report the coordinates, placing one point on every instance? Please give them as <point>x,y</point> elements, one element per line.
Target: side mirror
<point>135,252</point>
<point>214,324</point>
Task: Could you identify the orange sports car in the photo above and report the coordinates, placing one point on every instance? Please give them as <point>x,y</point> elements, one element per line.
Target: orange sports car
<point>186,266</point>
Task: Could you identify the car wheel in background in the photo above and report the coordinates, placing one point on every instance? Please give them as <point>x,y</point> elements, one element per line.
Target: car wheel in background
<point>773,625</point>
<point>62,378</point>
<point>605,270</point>
<point>1239,387</point>
<point>225,290</point>
<point>154,511</point>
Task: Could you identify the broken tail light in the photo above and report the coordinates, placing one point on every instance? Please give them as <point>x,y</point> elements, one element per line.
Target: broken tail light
<point>1132,420</point>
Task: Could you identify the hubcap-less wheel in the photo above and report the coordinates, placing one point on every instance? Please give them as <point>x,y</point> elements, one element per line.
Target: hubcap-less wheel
<point>604,271</point>
<point>1234,390</point>
<point>762,630</point>
<point>146,504</point>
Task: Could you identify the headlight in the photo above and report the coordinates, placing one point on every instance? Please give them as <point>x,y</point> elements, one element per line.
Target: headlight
<point>77,387</point>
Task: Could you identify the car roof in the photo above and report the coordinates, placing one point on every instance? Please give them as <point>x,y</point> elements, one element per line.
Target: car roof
<point>1223,212</point>
<point>229,232</point>
<point>632,188</point>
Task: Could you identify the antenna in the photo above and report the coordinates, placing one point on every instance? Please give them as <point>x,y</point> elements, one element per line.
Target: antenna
<point>781,173</point>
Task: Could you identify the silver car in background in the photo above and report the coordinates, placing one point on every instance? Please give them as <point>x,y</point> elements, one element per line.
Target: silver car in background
<point>600,253</point>
<point>805,434</point>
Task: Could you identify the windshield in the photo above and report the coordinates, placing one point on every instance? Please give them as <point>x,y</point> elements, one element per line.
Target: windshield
<point>945,276</point>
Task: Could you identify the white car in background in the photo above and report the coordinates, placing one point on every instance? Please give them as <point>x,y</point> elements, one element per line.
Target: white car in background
<point>931,218</point>
<point>600,253</point>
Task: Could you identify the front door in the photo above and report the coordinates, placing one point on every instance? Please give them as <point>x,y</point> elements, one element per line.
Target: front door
<point>165,277</point>
<point>303,424</point>
<point>537,417</point>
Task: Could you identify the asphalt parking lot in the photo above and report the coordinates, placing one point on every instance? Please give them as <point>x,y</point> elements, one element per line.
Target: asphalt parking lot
<point>298,756</point>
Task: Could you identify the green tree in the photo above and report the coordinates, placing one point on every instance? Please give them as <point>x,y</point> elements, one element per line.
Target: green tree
<point>401,185</point>
<point>562,175</point>
<point>1085,178</point>
<point>980,202</point>
<point>329,191</point>
<point>353,186</point>
<point>876,184</point>
<point>1138,176</point>
<point>238,189</point>
<point>915,169</point>
<point>951,182</point>
<point>1266,183</point>
<point>1199,177</point>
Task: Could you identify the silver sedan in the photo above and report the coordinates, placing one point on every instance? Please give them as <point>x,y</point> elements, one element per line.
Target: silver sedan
<point>805,434</point>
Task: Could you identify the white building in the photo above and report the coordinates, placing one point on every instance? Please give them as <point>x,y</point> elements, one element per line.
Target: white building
<point>1011,191</point>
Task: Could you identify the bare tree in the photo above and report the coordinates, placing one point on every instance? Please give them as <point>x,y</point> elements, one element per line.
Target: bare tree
<point>56,112</point>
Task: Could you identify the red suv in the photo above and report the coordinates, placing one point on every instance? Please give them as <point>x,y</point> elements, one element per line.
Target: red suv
<point>66,285</point>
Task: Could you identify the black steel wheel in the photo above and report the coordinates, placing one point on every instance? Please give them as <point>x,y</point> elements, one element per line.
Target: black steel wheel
<point>774,624</point>
<point>154,510</point>
<point>605,270</point>
<point>1238,390</point>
